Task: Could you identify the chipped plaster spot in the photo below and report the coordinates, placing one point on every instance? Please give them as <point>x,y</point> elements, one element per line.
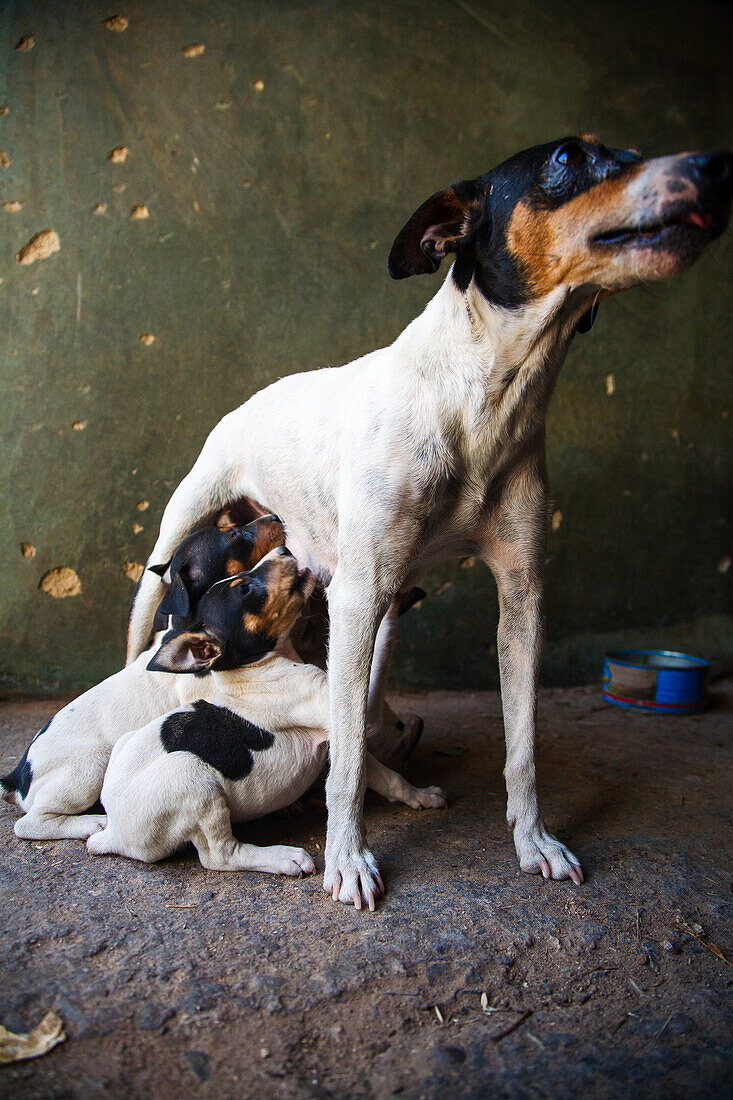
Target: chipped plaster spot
<point>146,338</point>
<point>724,564</point>
<point>468,563</point>
<point>118,155</point>
<point>258,85</point>
<point>194,50</point>
<point>39,247</point>
<point>119,188</point>
<point>137,528</point>
<point>133,570</point>
<point>442,587</point>
<point>12,207</point>
<point>223,104</point>
<point>556,519</point>
<point>117,23</point>
<point>4,159</point>
<point>4,110</point>
<point>27,549</point>
<point>675,433</point>
<point>60,583</point>
<point>27,42</point>
<point>142,505</point>
<point>139,211</point>
<point>100,208</point>
<point>610,385</point>
<point>34,291</point>
<point>79,425</point>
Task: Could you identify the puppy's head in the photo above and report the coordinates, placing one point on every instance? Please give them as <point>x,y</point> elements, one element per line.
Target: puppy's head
<point>240,619</point>
<point>571,214</point>
<point>209,555</point>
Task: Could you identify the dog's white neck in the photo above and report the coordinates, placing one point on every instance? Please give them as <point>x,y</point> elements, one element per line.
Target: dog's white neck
<point>467,333</point>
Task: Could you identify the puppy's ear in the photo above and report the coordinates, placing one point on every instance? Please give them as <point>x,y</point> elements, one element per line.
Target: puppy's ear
<point>159,569</point>
<point>176,600</point>
<point>437,227</point>
<point>191,651</point>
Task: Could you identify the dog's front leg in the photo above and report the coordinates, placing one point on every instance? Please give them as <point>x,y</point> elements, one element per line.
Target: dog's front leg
<point>520,642</point>
<point>351,871</point>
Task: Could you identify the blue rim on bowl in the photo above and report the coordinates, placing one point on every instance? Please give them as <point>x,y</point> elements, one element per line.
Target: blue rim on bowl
<point>657,680</point>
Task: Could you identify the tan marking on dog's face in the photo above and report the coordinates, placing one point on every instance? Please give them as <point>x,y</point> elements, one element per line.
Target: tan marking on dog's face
<point>642,217</point>
<point>268,533</point>
<point>553,246</point>
<point>234,566</point>
<point>284,601</point>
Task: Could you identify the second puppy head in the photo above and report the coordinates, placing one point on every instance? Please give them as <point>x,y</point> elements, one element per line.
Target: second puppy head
<point>240,619</point>
<point>210,554</point>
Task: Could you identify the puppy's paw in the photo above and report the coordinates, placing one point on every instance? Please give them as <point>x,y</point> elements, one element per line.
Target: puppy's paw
<point>540,853</point>
<point>352,876</point>
<point>428,798</point>
<point>291,861</point>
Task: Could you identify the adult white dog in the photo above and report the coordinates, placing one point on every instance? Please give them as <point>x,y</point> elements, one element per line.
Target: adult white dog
<point>435,446</point>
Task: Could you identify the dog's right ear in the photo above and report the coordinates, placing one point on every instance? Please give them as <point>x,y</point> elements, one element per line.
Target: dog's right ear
<point>437,227</point>
<point>190,651</point>
<point>176,600</point>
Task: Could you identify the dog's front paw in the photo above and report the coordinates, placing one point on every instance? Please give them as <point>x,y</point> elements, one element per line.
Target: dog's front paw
<point>540,853</point>
<point>428,798</point>
<point>291,861</point>
<point>351,876</point>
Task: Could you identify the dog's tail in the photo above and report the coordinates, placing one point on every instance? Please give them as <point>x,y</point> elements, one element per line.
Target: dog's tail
<point>15,785</point>
<point>196,501</point>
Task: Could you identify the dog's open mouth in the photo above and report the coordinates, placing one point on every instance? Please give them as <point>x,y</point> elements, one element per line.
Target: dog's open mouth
<point>651,233</point>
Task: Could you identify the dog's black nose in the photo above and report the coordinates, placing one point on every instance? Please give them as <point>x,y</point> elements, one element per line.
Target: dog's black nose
<point>711,168</point>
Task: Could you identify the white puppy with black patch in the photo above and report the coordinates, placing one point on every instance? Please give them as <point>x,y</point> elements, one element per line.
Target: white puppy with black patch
<point>260,744</point>
<point>61,772</point>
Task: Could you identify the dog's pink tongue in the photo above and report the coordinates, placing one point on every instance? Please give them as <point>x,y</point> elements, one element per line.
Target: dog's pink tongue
<point>703,221</point>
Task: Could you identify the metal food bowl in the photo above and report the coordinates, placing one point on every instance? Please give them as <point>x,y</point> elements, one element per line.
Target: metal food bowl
<point>657,680</point>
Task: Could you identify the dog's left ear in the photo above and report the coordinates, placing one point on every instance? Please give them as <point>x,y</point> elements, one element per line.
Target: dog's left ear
<point>176,600</point>
<point>437,227</point>
<point>190,651</point>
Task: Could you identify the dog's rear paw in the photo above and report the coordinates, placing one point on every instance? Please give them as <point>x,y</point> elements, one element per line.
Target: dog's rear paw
<point>540,853</point>
<point>351,877</point>
<point>428,798</point>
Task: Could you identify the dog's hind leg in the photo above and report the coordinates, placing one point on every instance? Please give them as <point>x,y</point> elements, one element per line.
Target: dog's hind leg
<point>54,826</point>
<point>219,850</point>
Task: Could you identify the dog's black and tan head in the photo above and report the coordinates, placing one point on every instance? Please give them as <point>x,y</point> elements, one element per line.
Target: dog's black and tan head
<point>240,619</point>
<point>570,214</point>
<point>209,555</point>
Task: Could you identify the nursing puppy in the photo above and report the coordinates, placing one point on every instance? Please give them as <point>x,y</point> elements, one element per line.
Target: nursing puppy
<point>61,772</point>
<point>255,748</point>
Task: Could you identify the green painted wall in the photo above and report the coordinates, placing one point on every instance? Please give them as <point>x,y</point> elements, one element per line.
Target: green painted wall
<point>277,167</point>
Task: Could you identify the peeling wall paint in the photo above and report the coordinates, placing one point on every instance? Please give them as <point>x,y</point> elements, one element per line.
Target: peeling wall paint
<point>276,165</point>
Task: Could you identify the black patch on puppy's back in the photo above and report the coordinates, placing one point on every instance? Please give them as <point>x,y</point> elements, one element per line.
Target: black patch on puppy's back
<point>217,736</point>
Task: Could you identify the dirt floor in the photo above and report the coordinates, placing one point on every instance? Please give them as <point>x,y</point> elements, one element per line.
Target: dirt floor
<point>471,979</point>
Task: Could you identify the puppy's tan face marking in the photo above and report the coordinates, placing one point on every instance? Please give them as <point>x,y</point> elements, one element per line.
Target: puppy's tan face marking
<point>284,599</point>
<point>234,566</point>
<point>268,533</point>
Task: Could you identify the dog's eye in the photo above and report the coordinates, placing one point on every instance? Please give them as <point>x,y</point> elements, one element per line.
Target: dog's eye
<point>570,155</point>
